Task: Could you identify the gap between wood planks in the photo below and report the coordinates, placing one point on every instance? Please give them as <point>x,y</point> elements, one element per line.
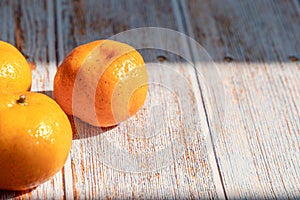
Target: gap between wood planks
<point>182,17</point>
<point>67,169</point>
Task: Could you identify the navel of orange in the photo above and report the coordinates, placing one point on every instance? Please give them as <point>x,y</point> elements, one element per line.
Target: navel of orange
<point>36,138</point>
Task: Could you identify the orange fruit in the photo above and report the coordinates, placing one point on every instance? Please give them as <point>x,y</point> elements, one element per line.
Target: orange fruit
<point>35,139</point>
<point>15,73</point>
<point>102,82</point>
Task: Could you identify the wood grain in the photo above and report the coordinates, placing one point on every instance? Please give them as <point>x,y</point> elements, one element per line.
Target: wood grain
<point>30,27</point>
<point>258,150</point>
<point>244,144</point>
<point>187,172</point>
<point>33,35</point>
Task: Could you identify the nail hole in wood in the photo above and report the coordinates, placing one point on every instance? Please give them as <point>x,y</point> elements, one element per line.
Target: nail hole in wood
<point>161,58</point>
<point>228,59</point>
<point>293,58</point>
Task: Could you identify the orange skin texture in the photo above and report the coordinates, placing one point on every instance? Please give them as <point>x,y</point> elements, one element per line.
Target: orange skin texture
<point>15,73</point>
<point>36,138</point>
<point>103,82</point>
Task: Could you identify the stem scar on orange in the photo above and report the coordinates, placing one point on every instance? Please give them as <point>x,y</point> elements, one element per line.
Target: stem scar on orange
<point>15,73</point>
<point>103,82</point>
<point>36,138</point>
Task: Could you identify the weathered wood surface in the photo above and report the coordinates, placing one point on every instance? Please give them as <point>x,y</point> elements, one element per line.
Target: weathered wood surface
<point>248,149</point>
<point>258,150</point>
<point>30,27</point>
<point>171,181</point>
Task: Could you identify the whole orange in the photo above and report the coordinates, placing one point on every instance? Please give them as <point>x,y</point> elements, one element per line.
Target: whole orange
<point>35,139</point>
<point>102,82</point>
<point>15,73</point>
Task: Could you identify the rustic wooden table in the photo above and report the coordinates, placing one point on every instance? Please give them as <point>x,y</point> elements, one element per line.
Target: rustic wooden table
<point>243,142</point>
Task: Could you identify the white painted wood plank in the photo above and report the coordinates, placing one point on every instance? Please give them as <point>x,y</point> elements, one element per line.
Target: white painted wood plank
<point>258,149</point>
<point>35,37</point>
<point>19,22</point>
<point>7,21</point>
<point>191,175</point>
<point>261,161</point>
<point>30,27</point>
<point>184,25</point>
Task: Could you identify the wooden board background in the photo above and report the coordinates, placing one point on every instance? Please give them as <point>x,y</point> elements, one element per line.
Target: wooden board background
<point>253,144</point>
